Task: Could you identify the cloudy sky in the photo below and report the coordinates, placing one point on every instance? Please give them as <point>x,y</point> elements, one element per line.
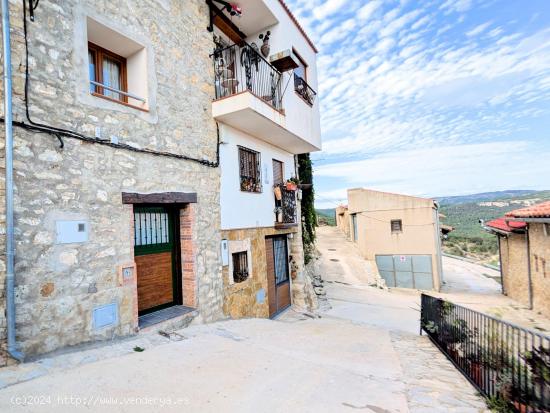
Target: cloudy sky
<point>431,98</point>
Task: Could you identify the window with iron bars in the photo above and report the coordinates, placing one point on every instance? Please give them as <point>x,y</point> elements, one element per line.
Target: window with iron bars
<point>249,169</point>
<point>240,266</point>
<point>396,225</point>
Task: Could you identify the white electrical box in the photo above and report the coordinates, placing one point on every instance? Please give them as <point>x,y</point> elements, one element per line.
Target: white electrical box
<point>225,252</point>
<point>68,232</point>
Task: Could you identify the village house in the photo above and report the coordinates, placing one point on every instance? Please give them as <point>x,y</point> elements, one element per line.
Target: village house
<point>268,113</point>
<point>400,233</point>
<point>524,249</point>
<point>138,151</point>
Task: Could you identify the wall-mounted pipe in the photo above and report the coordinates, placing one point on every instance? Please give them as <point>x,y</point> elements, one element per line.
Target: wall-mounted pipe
<point>10,245</point>
<point>529,275</point>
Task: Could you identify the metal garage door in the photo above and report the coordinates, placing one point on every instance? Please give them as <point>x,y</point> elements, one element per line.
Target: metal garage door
<point>406,271</point>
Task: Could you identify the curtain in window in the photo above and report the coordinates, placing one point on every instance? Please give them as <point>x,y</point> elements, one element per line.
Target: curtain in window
<point>111,77</point>
<point>91,69</point>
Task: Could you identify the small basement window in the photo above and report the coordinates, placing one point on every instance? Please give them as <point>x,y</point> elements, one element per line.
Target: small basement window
<point>249,169</point>
<point>117,66</point>
<point>396,225</point>
<point>240,266</point>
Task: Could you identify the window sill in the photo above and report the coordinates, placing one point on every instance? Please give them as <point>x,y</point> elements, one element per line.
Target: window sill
<point>97,95</point>
<point>251,192</point>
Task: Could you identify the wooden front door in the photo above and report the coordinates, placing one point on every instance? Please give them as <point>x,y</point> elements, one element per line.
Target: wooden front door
<point>278,281</point>
<point>155,252</point>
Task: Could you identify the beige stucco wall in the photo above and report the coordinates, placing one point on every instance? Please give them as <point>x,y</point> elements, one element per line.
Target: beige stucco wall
<point>540,267</point>
<point>59,285</point>
<point>513,250</point>
<point>376,209</point>
<point>343,220</point>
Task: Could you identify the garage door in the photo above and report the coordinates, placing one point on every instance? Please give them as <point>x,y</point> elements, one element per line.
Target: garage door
<point>406,271</point>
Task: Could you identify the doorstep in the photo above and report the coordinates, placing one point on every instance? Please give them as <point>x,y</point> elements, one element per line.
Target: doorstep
<point>174,317</point>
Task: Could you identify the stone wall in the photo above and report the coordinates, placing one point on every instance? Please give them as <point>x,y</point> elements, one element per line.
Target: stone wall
<point>540,267</point>
<point>58,285</point>
<point>514,267</point>
<point>241,299</point>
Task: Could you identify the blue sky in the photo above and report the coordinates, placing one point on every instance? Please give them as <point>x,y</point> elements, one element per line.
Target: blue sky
<point>431,98</point>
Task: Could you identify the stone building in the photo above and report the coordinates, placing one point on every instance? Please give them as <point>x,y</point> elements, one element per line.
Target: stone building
<point>117,212</point>
<point>137,165</point>
<point>524,248</point>
<point>268,112</point>
<point>342,220</point>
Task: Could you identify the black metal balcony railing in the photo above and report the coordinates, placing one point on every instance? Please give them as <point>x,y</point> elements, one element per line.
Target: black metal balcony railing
<point>241,68</point>
<point>304,90</point>
<point>285,208</point>
<point>508,364</point>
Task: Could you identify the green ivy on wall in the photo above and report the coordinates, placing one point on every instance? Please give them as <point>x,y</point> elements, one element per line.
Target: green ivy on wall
<point>309,217</point>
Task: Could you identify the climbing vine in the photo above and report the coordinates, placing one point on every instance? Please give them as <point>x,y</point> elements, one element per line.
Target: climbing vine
<point>309,217</point>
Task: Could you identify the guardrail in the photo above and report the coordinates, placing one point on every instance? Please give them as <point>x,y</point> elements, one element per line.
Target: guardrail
<point>241,68</point>
<point>508,364</point>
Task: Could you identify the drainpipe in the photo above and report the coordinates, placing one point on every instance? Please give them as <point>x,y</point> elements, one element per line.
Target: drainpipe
<point>529,268</point>
<point>438,244</point>
<point>10,281</point>
<point>500,265</point>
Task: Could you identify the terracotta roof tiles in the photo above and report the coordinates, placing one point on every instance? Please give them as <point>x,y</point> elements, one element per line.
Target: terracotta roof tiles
<point>502,225</point>
<point>541,210</point>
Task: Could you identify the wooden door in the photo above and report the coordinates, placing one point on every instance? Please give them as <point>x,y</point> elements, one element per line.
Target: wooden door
<point>278,281</point>
<point>155,257</point>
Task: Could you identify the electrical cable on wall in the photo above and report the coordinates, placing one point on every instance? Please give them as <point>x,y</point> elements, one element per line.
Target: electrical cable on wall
<point>376,219</point>
<point>59,133</point>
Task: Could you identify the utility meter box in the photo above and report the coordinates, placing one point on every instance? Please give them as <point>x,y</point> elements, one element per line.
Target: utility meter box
<point>225,252</point>
<point>68,232</point>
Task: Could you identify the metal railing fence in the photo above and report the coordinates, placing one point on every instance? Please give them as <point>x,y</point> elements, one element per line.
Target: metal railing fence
<point>508,364</point>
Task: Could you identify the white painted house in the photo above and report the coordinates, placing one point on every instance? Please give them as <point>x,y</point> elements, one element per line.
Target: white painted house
<point>267,111</point>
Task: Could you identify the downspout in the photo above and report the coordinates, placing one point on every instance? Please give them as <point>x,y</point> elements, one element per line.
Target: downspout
<point>10,247</point>
<point>500,266</point>
<point>438,244</point>
<point>529,268</point>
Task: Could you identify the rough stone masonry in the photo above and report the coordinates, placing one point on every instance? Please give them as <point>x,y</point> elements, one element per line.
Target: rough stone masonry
<point>58,285</point>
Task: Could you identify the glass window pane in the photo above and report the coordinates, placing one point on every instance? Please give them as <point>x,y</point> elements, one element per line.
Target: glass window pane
<point>91,68</point>
<point>111,77</point>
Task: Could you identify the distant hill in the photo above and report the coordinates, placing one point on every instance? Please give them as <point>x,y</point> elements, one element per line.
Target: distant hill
<point>486,196</point>
<point>465,216</point>
<point>464,212</point>
<point>326,216</point>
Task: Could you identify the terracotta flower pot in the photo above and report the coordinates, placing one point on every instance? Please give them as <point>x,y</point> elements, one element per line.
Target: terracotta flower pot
<point>291,186</point>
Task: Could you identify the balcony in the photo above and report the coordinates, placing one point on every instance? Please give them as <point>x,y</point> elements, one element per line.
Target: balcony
<point>285,207</point>
<point>249,97</point>
<point>304,90</point>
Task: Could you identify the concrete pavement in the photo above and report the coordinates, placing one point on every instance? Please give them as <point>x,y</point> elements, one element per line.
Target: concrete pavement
<point>364,353</point>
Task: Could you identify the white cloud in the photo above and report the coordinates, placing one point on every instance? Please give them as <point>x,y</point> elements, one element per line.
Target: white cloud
<point>478,29</point>
<point>443,170</point>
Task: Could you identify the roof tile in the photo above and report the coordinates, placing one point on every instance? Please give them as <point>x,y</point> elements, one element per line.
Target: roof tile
<point>541,210</point>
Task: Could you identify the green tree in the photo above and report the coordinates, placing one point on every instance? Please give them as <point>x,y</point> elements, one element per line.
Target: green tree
<point>309,217</point>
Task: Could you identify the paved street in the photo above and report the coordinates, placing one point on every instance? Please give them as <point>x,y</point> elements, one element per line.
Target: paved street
<point>363,353</point>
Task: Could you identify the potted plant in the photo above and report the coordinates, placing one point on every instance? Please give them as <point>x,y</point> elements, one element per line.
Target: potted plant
<point>265,43</point>
<point>291,184</point>
<point>278,214</point>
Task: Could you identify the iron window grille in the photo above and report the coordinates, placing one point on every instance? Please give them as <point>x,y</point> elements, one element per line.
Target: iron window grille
<point>249,170</point>
<point>396,225</point>
<point>240,266</point>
